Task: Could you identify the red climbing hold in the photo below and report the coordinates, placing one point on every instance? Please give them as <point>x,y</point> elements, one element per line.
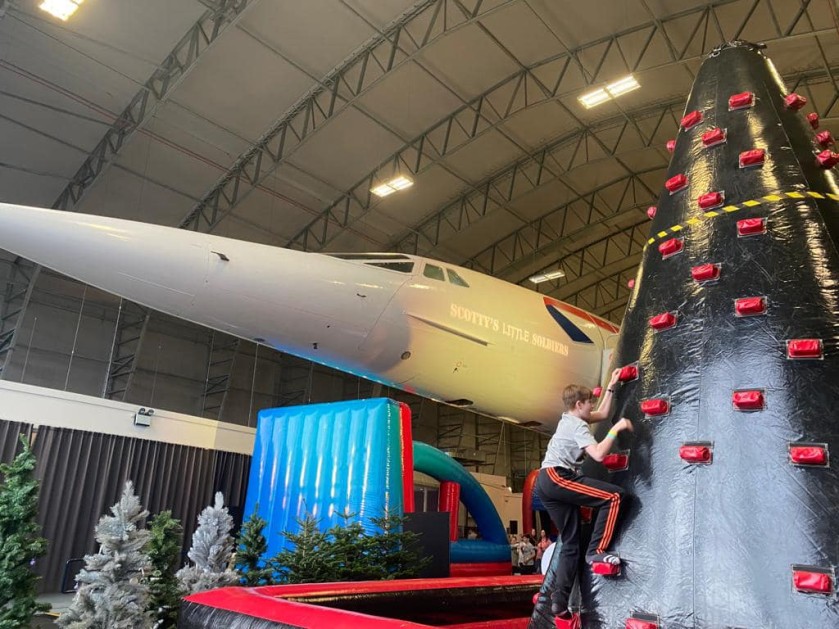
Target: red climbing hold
<point>629,372</point>
<point>570,623</point>
<point>605,569</point>
<point>741,100</point>
<point>671,146</point>
<point>691,120</point>
<point>751,226</point>
<point>655,406</point>
<point>808,455</point>
<point>651,211</point>
<point>616,461</point>
<point>804,348</point>
<point>695,453</point>
<point>748,306</point>
<point>827,159</point>
<point>794,101</point>
<point>710,200</point>
<point>597,391</point>
<point>663,321</point>
<point>824,139</point>
<point>676,183</point>
<point>705,272</point>
<point>670,247</point>
<point>752,157</point>
<point>713,137</point>
<point>813,581</point>
<point>750,400</point>
<point>630,284</point>
<point>813,119</point>
<point>640,623</point>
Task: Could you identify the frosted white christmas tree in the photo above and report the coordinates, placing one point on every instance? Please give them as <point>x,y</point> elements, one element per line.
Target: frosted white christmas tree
<point>212,549</point>
<point>112,593</point>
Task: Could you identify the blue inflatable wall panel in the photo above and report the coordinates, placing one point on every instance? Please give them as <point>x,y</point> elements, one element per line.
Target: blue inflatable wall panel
<point>325,460</point>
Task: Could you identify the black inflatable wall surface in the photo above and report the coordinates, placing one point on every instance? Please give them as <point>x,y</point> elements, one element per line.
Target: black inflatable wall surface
<point>734,520</point>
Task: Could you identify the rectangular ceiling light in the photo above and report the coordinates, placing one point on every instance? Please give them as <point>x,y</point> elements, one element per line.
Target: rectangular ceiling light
<point>389,187</point>
<point>62,9</point>
<point>545,277</point>
<point>594,98</point>
<point>624,85</point>
<point>612,90</point>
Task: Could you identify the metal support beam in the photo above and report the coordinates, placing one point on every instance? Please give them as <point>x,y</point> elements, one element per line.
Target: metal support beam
<point>526,450</point>
<point>584,261</point>
<point>129,334</point>
<point>537,242</point>
<point>156,89</point>
<point>357,388</point>
<point>295,380</point>
<point>20,283</point>
<point>598,271</point>
<point>449,428</point>
<point>549,79</point>
<point>141,107</point>
<point>489,440</point>
<point>423,24</point>
<point>588,144</point>
<point>220,361</point>
<point>533,241</point>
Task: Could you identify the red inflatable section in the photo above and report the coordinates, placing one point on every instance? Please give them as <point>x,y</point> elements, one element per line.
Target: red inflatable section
<point>449,502</point>
<point>489,569</point>
<point>290,604</point>
<point>527,501</point>
<point>407,445</point>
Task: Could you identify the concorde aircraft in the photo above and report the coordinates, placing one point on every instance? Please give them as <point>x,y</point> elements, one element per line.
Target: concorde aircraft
<point>427,327</point>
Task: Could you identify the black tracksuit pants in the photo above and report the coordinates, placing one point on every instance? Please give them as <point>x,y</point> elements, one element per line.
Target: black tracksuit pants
<point>563,492</point>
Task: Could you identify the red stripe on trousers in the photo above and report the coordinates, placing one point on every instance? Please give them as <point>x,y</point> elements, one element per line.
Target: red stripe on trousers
<point>614,504</point>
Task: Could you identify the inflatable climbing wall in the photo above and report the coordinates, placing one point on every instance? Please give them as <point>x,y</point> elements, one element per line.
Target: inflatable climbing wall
<point>731,373</point>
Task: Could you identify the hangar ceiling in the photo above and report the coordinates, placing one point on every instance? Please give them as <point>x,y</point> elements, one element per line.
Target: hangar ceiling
<point>271,120</point>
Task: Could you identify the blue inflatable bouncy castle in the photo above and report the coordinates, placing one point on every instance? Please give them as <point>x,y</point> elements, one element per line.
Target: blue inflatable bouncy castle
<point>357,458</point>
<point>329,460</point>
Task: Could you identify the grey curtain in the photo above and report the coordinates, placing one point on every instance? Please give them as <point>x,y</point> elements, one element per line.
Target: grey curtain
<point>9,445</point>
<point>82,475</point>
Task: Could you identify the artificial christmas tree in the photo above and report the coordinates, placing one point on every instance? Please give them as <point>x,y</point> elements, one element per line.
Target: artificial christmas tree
<point>212,548</point>
<point>20,542</point>
<point>164,550</point>
<point>309,560</point>
<point>250,549</point>
<point>112,590</point>
<point>349,553</point>
<point>395,551</point>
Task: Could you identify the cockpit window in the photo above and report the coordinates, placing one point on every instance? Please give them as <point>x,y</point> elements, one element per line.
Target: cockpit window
<point>455,279</point>
<point>402,267</point>
<point>434,272</point>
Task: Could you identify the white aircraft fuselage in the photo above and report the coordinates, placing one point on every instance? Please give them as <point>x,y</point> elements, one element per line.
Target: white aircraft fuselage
<point>427,327</point>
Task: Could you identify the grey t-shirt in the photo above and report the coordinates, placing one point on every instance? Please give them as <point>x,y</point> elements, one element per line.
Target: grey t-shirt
<point>567,447</point>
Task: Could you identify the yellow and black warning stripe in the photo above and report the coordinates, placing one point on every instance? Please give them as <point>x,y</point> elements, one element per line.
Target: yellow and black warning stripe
<point>728,209</point>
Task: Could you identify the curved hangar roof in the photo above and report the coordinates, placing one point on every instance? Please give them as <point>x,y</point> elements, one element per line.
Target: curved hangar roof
<point>272,121</point>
